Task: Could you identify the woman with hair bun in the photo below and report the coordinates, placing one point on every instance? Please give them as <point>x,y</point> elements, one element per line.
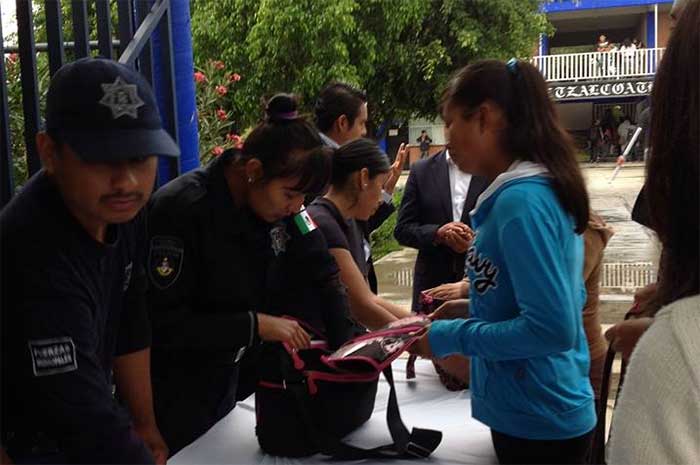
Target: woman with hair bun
<point>222,241</point>
<point>360,169</point>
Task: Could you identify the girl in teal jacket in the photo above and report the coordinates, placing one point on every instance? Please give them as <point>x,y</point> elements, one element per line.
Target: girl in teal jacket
<point>525,334</point>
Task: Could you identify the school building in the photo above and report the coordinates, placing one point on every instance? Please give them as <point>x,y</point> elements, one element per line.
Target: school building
<point>583,82</point>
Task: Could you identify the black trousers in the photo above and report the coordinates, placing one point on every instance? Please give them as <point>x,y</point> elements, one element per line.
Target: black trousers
<point>512,450</point>
<point>189,402</point>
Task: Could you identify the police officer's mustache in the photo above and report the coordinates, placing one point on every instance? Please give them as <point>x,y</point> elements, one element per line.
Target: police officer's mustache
<point>123,197</point>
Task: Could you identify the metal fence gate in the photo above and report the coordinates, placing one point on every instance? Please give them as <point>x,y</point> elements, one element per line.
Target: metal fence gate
<point>138,21</point>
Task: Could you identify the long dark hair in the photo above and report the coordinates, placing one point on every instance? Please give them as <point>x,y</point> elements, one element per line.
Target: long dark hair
<point>282,131</point>
<point>533,132</point>
<point>673,174</point>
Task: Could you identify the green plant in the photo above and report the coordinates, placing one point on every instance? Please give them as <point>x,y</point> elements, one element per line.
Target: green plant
<point>20,172</point>
<point>382,239</point>
<point>214,84</point>
<point>401,52</point>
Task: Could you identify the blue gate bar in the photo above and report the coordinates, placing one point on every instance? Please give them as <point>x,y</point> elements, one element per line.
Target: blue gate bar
<point>104,29</point>
<point>81,33</point>
<point>6,184</point>
<point>54,35</point>
<point>30,90</point>
<point>125,12</point>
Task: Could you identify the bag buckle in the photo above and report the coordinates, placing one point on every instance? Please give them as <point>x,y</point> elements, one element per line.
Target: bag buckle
<point>239,355</point>
<point>417,450</point>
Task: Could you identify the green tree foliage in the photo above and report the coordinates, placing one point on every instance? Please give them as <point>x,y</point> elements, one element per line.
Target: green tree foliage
<point>401,52</point>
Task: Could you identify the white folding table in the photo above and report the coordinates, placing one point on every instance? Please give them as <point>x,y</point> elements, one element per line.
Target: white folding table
<point>424,403</point>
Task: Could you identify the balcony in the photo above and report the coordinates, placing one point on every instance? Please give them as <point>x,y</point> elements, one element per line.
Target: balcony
<point>608,66</point>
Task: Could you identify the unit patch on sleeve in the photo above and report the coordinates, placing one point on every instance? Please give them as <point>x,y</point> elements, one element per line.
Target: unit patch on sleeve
<point>53,356</point>
<point>165,260</point>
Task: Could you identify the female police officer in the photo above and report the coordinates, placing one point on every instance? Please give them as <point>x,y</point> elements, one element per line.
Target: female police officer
<point>222,244</point>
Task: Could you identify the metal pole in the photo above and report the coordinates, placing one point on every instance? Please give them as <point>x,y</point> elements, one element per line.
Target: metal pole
<point>623,157</point>
<point>656,25</point>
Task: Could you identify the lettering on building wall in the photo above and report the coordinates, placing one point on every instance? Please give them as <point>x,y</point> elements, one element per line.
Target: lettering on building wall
<point>612,89</point>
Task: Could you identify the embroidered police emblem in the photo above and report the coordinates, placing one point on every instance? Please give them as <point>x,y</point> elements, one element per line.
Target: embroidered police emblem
<point>165,260</point>
<point>122,98</point>
<point>279,237</point>
<point>165,269</point>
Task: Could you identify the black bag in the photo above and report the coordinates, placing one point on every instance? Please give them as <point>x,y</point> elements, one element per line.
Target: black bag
<point>307,401</point>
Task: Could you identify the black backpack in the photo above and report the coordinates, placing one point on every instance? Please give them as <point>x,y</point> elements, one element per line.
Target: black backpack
<point>307,401</point>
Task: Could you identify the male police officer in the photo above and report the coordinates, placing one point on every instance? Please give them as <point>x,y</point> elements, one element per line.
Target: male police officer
<point>73,279</point>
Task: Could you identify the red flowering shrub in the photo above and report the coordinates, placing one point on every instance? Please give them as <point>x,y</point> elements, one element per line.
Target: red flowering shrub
<point>214,83</point>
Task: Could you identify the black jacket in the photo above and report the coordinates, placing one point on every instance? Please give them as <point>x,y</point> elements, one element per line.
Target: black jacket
<point>224,265</point>
<point>426,206</point>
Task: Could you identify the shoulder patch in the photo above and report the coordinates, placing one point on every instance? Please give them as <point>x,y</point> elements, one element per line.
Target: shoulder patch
<point>165,260</point>
<point>53,356</point>
<point>304,222</point>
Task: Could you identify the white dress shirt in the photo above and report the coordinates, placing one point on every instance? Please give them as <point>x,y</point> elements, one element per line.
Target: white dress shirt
<point>459,187</point>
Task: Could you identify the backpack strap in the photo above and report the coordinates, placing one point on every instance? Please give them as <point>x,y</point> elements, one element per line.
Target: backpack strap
<point>419,443</point>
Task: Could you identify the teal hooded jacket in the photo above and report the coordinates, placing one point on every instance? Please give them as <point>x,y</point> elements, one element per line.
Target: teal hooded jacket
<point>529,370</point>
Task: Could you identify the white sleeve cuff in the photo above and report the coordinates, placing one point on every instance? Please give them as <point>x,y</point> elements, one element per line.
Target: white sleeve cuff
<point>386,197</point>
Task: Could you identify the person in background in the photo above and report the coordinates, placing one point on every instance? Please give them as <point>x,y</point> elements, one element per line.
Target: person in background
<point>341,117</point>
<point>595,140</point>
<point>595,238</point>
<point>609,126</point>
<point>424,142</point>
<point>602,46</point>
<point>529,354</point>
<point>434,218</point>
<point>625,131</point>
<point>644,121</point>
<point>226,241</point>
<point>657,417</point>
<point>74,312</point>
<point>628,48</point>
<point>360,169</point>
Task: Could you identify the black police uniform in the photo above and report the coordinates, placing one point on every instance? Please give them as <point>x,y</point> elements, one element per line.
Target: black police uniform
<point>213,265</point>
<point>69,305</point>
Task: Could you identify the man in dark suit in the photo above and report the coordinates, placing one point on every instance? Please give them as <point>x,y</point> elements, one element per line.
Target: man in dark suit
<point>434,218</point>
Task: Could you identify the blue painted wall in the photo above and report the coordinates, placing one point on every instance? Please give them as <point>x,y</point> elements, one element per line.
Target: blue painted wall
<point>544,41</point>
<point>651,30</point>
<point>557,6</point>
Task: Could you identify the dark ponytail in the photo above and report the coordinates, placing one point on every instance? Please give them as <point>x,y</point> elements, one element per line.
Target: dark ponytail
<point>356,155</point>
<point>534,132</point>
<point>275,139</point>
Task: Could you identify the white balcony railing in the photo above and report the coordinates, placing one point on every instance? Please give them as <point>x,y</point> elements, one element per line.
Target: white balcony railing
<point>599,65</point>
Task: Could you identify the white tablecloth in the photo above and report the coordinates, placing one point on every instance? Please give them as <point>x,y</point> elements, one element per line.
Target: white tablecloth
<point>424,403</point>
